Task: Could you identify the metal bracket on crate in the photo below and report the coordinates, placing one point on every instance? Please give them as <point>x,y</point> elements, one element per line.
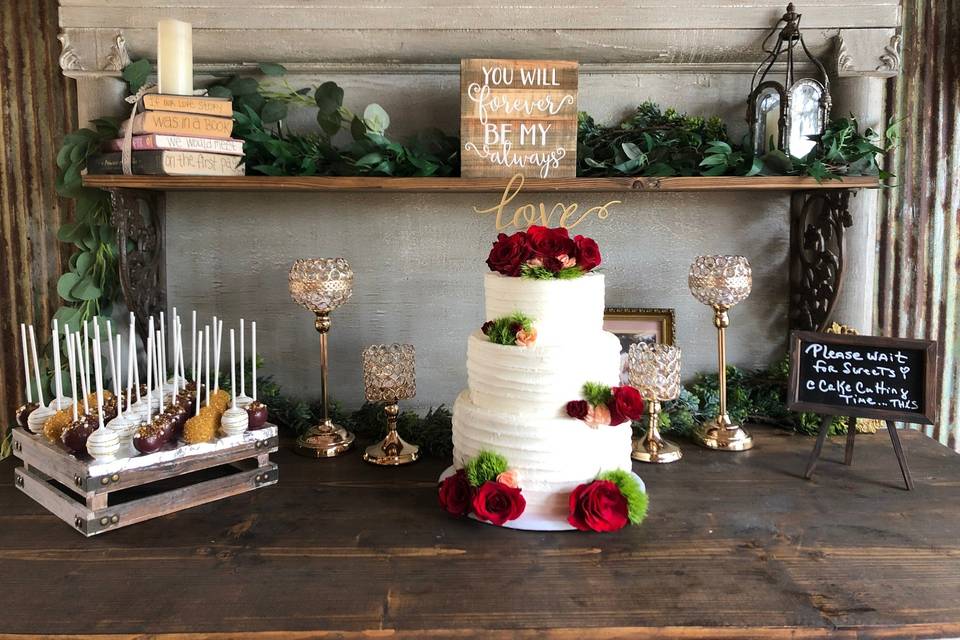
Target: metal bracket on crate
<point>138,219</point>
<point>817,223</point>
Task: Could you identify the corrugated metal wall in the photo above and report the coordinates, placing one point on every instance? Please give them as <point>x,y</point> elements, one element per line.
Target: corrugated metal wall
<point>919,231</point>
<point>37,106</point>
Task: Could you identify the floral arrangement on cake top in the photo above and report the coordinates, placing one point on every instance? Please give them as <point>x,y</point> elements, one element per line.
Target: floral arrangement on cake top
<point>543,253</point>
<point>486,488</point>
<point>603,405</point>
<point>515,329</point>
<point>613,500</point>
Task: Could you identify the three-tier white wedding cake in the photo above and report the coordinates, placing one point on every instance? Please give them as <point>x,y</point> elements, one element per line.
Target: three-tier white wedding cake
<point>515,405</point>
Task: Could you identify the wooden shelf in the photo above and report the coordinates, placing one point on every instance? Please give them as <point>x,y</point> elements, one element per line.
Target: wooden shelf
<point>472,185</point>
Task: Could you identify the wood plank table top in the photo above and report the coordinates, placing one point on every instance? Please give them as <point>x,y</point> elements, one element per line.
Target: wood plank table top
<point>737,545</point>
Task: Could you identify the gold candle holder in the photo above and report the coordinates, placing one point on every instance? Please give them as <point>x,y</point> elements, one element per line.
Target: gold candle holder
<point>654,369</point>
<point>389,376</point>
<point>721,282</point>
<point>322,285</point>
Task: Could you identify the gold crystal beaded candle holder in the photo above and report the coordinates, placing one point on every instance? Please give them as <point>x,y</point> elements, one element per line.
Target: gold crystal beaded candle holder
<point>721,282</point>
<point>389,375</point>
<point>322,285</point>
<point>654,370</point>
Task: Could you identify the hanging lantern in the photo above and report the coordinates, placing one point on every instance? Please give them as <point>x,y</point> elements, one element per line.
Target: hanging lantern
<point>783,115</point>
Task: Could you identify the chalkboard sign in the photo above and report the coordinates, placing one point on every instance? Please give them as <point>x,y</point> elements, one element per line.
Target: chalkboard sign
<point>863,376</point>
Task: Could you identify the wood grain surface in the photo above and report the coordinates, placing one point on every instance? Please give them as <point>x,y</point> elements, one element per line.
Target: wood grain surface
<point>470,185</point>
<point>735,546</point>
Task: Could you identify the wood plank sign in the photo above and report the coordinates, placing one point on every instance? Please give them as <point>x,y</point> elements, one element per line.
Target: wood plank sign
<point>518,116</point>
<point>891,379</point>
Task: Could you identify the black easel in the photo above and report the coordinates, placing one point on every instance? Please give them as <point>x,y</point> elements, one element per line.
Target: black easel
<point>848,448</point>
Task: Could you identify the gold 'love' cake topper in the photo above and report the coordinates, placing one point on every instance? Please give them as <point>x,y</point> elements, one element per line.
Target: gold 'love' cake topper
<point>518,116</point>
<point>523,216</point>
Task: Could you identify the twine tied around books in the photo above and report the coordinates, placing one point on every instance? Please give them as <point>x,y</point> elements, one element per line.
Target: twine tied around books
<point>126,150</point>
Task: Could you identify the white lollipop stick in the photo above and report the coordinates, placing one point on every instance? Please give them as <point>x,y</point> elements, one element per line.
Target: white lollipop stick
<point>233,369</point>
<point>26,362</point>
<point>243,362</point>
<point>86,356</point>
<point>57,382</point>
<point>149,376</point>
<point>36,364</point>
<point>183,367</point>
<point>150,363</point>
<point>199,362</point>
<point>118,392</point>
<point>193,344</point>
<point>158,362</point>
<point>217,340</point>
<point>98,375</point>
<point>162,349</point>
<point>176,357</point>
<point>253,349</point>
<point>131,357</point>
<point>114,370</point>
<point>206,359</point>
<point>84,388</point>
<point>71,363</point>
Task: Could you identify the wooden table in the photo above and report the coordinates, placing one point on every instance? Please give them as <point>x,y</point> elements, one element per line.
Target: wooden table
<point>736,546</point>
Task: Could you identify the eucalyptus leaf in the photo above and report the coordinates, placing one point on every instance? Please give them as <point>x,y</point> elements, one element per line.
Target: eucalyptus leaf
<point>85,289</point>
<point>329,98</point>
<point>136,74</point>
<point>376,118</point>
<point>273,111</point>
<point>272,69</point>
<point>65,286</point>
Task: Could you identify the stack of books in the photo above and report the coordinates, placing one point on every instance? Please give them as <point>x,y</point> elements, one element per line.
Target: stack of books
<point>177,136</point>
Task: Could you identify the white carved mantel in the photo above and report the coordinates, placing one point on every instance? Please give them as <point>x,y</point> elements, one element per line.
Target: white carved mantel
<point>404,55</point>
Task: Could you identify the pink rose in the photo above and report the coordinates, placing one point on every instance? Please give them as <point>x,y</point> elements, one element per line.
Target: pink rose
<point>526,338</point>
<point>566,261</point>
<point>597,416</point>
<point>510,478</point>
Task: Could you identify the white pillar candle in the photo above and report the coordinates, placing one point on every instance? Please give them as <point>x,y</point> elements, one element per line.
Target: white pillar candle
<point>175,57</point>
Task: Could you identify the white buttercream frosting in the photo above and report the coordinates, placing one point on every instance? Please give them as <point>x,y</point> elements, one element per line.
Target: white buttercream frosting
<point>564,311</point>
<point>516,399</point>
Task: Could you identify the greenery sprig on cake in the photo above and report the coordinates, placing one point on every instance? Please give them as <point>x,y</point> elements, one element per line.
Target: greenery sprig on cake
<point>543,253</point>
<point>515,329</point>
<point>604,405</point>
<point>610,502</point>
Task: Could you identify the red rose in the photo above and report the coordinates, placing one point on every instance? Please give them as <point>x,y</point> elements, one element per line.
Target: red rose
<point>455,493</point>
<point>498,503</point>
<point>577,409</point>
<point>588,253</point>
<point>487,327</point>
<point>598,506</point>
<point>627,402</point>
<point>509,253</point>
<point>549,244</point>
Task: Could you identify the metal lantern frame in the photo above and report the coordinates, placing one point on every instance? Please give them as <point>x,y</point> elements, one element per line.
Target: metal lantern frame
<point>787,40</point>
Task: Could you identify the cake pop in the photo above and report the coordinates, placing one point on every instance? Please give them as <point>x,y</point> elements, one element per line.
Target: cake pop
<point>39,415</point>
<point>151,434</point>
<point>242,398</point>
<point>234,420</point>
<point>177,411</point>
<point>125,425</point>
<point>74,437</point>
<point>256,410</point>
<point>102,444</point>
<point>219,398</point>
<point>202,426</point>
<point>24,410</point>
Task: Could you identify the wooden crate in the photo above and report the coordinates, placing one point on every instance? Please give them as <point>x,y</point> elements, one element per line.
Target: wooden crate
<point>94,497</point>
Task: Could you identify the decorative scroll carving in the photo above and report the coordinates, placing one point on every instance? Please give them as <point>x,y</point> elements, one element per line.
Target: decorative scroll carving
<point>818,220</point>
<point>69,59</point>
<point>137,216</point>
<point>118,57</point>
<point>890,58</point>
<point>844,59</point>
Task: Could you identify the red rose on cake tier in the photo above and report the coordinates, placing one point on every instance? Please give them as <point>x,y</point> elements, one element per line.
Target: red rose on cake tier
<point>509,253</point>
<point>552,245</point>
<point>455,493</point>
<point>578,409</point>
<point>598,506</point>
<point>588,253</point>
<point>498,503</point>
<point>626,404</point>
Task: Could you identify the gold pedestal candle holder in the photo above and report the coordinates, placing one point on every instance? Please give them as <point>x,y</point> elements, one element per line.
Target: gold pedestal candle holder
<point>322,285</point>
<point>389,376</point>
<point>721,282</point>
<point>654,369</point>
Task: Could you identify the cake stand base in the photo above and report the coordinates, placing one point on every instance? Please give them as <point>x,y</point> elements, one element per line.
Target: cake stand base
<point>529,521</point>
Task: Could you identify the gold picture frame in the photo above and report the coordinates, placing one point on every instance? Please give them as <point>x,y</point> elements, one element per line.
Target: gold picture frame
<point>637,324</point>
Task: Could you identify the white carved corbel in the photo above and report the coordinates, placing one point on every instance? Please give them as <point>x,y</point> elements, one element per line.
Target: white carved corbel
<point>867,52</point>
<point>69,59</point>
<point>118,57</point>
